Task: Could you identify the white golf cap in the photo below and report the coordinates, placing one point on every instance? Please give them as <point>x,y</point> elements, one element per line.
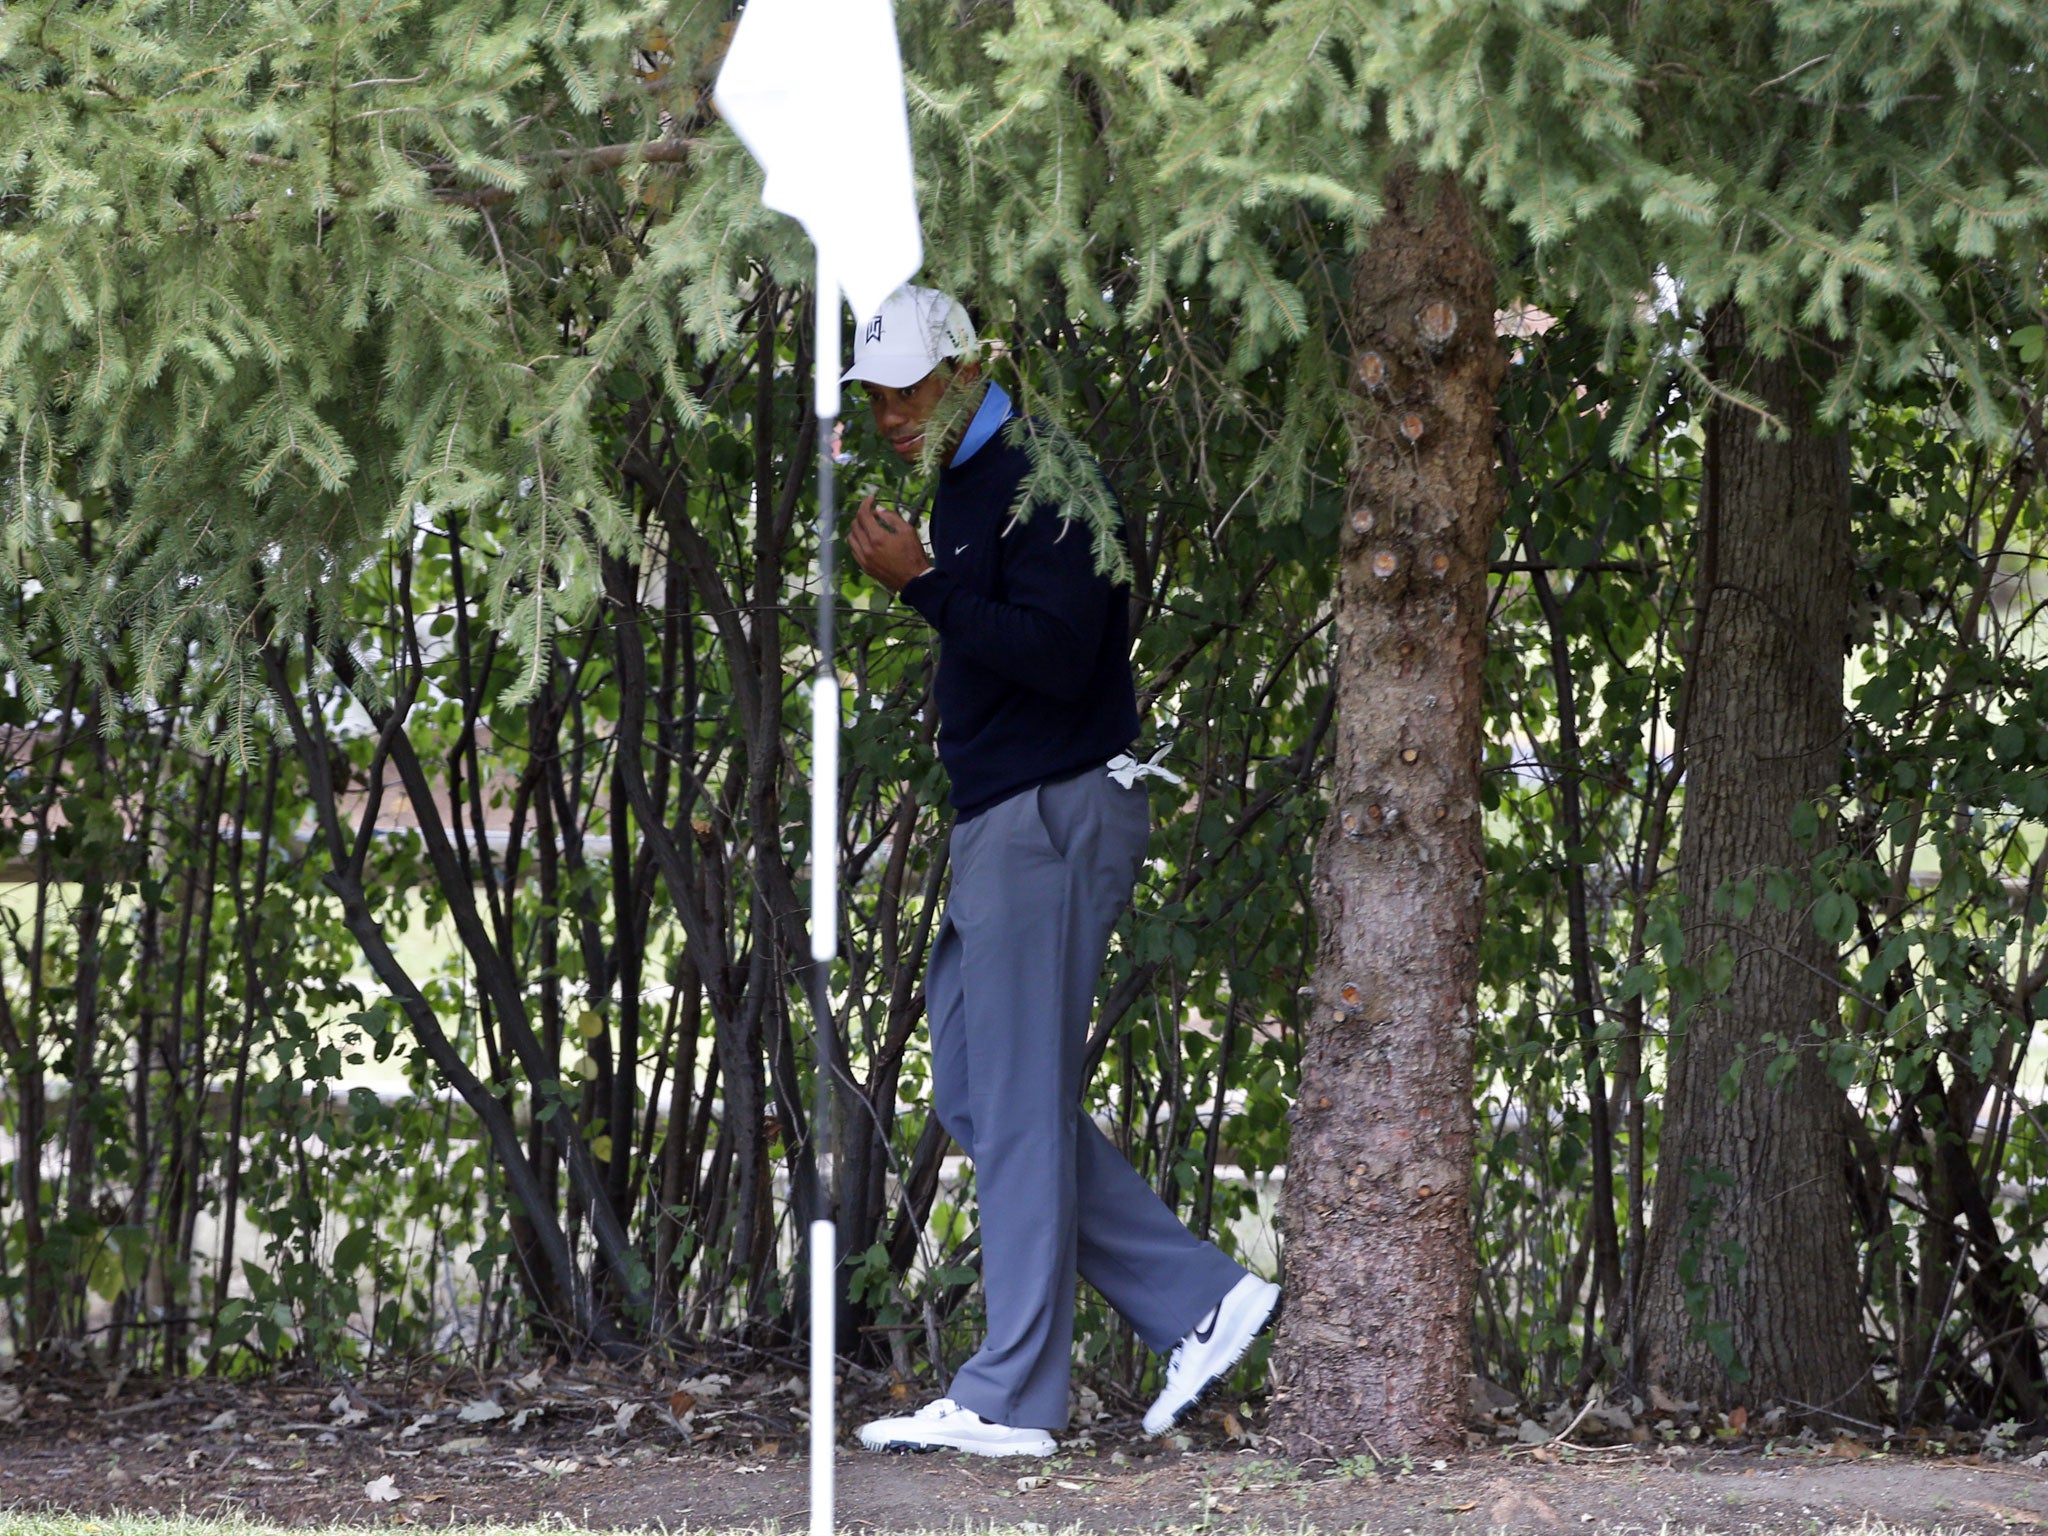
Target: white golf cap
<point>915,330</point>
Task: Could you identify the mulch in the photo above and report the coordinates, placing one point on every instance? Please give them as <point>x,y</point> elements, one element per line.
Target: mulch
<point>719,1445</point>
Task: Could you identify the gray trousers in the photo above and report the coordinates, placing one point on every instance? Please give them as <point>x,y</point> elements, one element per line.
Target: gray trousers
<point>1038,882</point>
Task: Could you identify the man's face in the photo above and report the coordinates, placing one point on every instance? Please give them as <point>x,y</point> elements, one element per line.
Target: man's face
<point>903,414</point>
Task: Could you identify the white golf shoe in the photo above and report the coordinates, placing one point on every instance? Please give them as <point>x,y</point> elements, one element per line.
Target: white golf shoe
<point>1217,1343</point>
<point>946,1426</point>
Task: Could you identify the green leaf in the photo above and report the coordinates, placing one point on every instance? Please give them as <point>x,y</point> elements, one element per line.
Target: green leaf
<point>1730,1086</point>
<point>1741,899</point>
<point>1834,917</point>
<point>1719,972</point>
<point>352,1250</point>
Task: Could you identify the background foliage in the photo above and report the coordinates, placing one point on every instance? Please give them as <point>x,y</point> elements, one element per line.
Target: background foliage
<point>406,573</point>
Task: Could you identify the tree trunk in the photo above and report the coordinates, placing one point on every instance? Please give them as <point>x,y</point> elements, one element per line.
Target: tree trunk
<point>1750,1281</point>
<point>1378,1258</point>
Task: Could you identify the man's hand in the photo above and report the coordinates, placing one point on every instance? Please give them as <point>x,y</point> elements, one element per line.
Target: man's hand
<point>886,546</point>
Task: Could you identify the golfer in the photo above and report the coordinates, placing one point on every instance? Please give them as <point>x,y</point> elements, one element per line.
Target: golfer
<point>1037,713</point>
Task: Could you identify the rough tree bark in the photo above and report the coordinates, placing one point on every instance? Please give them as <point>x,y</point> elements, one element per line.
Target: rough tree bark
<point>1750,1281</point>
<point>1378,1260</point>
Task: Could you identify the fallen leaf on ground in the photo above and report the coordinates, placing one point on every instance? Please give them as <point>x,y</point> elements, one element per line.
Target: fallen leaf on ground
<point>2006,1513</point>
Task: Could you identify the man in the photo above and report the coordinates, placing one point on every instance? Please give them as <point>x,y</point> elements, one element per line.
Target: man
<point>1036,714</point>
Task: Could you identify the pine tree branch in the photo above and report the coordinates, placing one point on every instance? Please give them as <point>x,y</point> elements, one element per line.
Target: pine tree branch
<point>565,162</point>
<point>602,157</point>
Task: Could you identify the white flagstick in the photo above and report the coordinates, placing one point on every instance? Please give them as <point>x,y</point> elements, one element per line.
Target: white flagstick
<point>824,1310</point>
<point>825,688</point>
<point>824,914</point>
<point>814,88</point>
<point>824,812</point>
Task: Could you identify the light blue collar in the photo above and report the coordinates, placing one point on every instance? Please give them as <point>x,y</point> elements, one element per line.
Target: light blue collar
<point>988,420</point>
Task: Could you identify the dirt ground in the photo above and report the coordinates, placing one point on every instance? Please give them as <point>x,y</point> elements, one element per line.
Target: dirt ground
<point>715,1450</point>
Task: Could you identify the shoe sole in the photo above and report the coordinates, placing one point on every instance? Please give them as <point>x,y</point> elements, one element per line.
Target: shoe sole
<point>915,1448</point>
<point>1223,1370</point>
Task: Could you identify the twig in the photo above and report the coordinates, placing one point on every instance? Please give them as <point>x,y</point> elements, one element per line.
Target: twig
<point>1564,1436</point>
<point>1876,1429</point>
<point>1795,69</point>
<point>1630,567</point>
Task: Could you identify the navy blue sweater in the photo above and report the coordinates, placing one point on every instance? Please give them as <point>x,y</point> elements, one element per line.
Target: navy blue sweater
<point>1034,644</point>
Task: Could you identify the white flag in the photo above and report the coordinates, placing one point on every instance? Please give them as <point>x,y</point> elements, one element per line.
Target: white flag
<point>814,88</point>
